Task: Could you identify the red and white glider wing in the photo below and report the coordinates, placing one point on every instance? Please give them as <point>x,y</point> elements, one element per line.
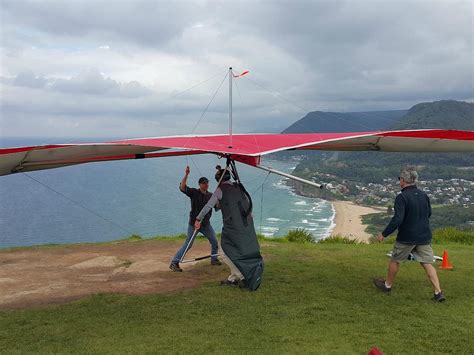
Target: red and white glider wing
<point>260,144</point>
<point>244,145</point>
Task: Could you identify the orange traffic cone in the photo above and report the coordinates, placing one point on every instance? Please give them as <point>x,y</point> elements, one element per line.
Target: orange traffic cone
<point>445,264</point>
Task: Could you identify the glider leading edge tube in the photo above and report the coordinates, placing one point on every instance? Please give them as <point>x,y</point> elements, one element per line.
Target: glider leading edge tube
<point>289,176</point>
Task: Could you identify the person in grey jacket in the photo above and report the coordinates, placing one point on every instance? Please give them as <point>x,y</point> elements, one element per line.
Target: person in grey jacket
<point>412,211</point>
<point>239,245</point>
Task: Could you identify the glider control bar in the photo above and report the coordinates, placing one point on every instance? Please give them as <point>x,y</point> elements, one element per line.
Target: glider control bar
<point>200,258</point>
<point>304,181</point>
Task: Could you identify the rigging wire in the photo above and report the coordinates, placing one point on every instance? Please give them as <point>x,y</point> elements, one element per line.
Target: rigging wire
<point>306,110</point>
<point>260,187</point>
<point>79,205</point>
<point>261,202</point>
<point>209,104</point>
<point>197,124</point>
<point>185,220</point>
<point>111,222</point>
<point>241,101</point>
<point>173,95</point>
<point>194,128</point>
<point>197,166</point>
<point>277,95</point>
<point>194,86</point>
<point>238,90</point>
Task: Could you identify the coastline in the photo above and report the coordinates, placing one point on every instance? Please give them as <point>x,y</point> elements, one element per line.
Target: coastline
<point>348,220</point>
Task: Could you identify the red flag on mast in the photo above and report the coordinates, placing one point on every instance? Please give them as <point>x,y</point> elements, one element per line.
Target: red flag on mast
<point>242,74</point>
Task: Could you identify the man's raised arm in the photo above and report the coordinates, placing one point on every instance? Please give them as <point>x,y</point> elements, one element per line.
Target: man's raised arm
<point>182,184</point>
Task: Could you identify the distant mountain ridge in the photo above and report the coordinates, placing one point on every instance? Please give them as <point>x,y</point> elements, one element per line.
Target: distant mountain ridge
<point>374,166</point>
<point>324,122</point>
<point>445,114</point>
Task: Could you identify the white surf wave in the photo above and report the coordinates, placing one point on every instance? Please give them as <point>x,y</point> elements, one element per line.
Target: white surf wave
<point>273,219</point>
<point>269,229</point>
<point>332,225</point>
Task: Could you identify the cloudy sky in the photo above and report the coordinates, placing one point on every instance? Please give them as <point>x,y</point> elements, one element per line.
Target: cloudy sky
<point>116,68</point>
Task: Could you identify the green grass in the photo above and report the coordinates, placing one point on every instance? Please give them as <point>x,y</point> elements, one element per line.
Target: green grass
<point>315,298</point>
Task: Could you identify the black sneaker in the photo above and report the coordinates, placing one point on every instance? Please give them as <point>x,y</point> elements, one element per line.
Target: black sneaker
<point>440,297</point>
<point>380,284</point>
<point>227,282</point>
<point>216,262</point>
<point>175,267</point>
<point>242,284</point>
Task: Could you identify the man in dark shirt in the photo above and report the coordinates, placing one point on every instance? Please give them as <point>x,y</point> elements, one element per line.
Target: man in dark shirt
<point>412,212</point>
<point>199,198</point>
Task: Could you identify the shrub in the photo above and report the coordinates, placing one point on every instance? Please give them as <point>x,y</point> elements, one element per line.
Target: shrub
<point>300,235</point>
<point>338,239</point>
<point>134,237</point>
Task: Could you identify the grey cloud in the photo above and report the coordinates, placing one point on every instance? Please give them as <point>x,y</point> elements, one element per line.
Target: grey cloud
<point>88,82</point>
<point>92,95</point>
<point>29,79</point>
<point>319,55</point>
<point>360,47</point>
<point>147,22</point>
<point>67,113</point>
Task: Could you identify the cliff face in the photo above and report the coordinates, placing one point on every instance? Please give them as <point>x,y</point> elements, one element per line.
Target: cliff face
<point>305,190</point>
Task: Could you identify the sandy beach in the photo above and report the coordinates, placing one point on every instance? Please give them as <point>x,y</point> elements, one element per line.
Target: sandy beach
<point>349,220</point>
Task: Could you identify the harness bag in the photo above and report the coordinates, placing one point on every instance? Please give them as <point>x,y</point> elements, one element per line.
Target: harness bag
<point>239,240</point>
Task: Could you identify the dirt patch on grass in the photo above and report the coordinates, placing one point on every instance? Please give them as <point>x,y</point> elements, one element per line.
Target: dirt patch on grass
<point>40,276</point>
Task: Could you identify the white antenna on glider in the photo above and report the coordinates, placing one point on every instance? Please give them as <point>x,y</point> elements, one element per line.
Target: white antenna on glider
<point>230,107</point>
<point>270,170</point>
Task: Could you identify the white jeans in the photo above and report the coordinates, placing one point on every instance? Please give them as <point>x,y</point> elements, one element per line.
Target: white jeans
<point>235,273</point>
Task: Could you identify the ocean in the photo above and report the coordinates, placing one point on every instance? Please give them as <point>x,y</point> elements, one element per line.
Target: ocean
<point>100,202</point>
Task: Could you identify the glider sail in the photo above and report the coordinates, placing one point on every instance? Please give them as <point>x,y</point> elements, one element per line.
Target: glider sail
<point>246,148</point>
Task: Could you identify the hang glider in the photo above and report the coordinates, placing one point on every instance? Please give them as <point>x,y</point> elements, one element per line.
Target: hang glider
<point>245,148</point>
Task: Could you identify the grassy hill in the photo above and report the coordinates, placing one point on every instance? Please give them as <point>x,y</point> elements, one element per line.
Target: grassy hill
<point>315,298</point>
<point>445,114</point>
